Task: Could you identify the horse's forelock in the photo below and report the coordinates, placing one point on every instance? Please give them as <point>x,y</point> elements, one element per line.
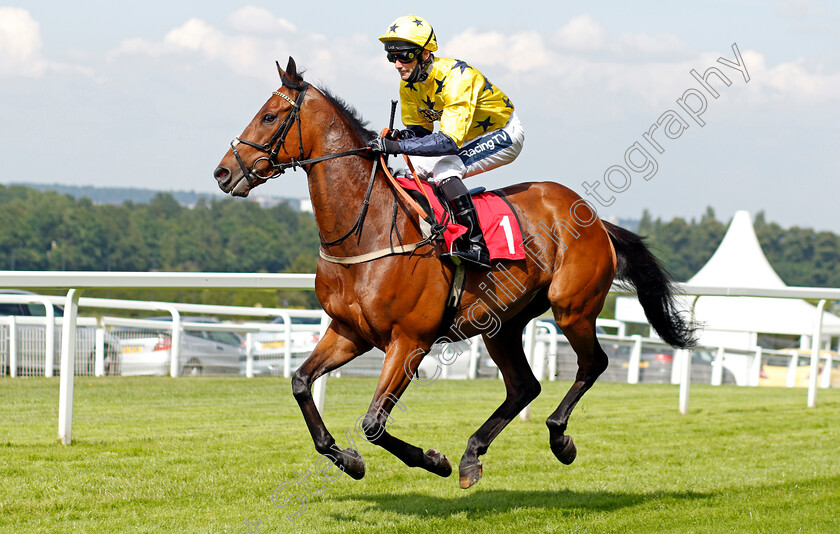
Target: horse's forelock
<point>295,83</point>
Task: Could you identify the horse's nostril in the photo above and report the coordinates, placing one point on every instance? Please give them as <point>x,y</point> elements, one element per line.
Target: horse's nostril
<point>221,173</point>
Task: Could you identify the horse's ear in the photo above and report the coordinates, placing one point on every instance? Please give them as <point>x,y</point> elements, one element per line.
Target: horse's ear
<point>291,71</point>
<point>290,76</point>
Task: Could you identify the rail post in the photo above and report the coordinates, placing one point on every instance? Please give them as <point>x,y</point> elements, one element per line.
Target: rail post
<point>13,347</point>
<point>815,355</point>
<point>635,362</point>
<point>249,355</point>
<point>68,361</point>
<point>319,389</point>
<point>530,341</point>
<point>685,374</point>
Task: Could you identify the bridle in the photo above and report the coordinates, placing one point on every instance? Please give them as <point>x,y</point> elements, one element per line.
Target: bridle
<point>278,139</point>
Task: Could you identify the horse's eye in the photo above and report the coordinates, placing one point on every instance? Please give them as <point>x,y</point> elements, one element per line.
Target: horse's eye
<point>268,118</point>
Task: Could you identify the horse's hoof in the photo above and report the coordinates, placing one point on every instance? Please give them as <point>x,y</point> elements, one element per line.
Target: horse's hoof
<point>440,463</point>
<point>353,463</point>
<point>564,449</point>
<point>470,474</point>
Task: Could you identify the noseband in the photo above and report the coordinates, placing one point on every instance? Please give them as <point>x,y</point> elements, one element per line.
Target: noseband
<point>273,146</point>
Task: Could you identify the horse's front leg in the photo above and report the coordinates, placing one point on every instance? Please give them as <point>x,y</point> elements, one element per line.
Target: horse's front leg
<point>401,363</point>
<point>338,346</point>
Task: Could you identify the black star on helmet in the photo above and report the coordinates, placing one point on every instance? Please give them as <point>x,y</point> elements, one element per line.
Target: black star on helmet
<point>417,21</point>
<point>485,124</point>
<point>393,28</point>
<point>461,65</point>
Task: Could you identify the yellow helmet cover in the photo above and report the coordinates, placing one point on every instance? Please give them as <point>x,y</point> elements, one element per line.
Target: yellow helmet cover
<point>412,29</point>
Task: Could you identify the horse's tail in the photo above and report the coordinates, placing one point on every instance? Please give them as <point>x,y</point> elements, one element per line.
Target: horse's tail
<point>638,269</point>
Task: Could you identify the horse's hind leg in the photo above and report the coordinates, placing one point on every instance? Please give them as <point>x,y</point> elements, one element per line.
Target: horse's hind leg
<point>592,361</point>
<point>505,348</point>
<point>338,346</point>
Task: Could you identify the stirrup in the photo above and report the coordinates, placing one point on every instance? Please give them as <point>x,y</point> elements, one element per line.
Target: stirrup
<point>473,258</point>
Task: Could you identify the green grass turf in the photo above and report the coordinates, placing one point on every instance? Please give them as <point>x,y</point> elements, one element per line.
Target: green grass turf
<point>206,454</point>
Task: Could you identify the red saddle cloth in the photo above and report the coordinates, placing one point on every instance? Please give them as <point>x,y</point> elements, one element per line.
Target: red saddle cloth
<point>495,216</point>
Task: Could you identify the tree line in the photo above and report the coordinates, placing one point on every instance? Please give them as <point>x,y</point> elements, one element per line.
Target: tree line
<point>44,230</point>
<point>51,231</point>
<point>800,256</point>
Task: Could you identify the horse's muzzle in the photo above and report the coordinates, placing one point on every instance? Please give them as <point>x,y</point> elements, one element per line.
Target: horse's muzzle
<point>229,183</point>
<point>222,175</point>
<point>239,181</point>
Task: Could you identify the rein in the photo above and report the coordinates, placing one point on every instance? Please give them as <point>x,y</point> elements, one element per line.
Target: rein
<point>434,234</point>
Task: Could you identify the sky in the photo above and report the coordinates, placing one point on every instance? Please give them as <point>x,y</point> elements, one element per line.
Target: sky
<point>149,94</point>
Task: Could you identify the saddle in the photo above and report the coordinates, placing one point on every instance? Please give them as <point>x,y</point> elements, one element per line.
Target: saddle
<point>498,220</point>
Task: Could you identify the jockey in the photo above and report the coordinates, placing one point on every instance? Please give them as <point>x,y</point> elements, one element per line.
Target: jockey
<point>479,130</point>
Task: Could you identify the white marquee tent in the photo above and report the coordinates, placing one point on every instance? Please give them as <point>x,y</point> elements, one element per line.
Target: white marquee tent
<point>735,322</point>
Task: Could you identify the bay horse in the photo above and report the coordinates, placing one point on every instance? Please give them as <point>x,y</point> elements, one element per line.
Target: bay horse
<point>395,300</point>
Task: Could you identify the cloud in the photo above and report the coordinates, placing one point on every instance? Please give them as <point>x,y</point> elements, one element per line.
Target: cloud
<point>20,44</point>
<point>518,52</point>
<point>653,45</point>
<point>582,33</point>
<point>196,35</point>
<point>248,45</point>
<point>21,48</point>
<point>257,20</point>
<point>796,8</point>
<point>582,56</point>
<point>800,80</point>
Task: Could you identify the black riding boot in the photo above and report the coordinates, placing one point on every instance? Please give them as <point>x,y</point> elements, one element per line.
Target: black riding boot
<point>470,247</point>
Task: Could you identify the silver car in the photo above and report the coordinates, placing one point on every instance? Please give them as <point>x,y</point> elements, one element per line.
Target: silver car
<point>147,350</point>
<point>269,346</point>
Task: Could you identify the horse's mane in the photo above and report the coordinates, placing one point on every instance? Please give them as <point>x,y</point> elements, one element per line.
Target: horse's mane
<point>359,125</point>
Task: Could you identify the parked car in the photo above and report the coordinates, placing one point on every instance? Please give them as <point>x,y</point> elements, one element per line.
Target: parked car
<point>655,363</point>
<point>269,347</point>
<point>775,369</point>
<point>452,360</point>
<point>148,351</point>
<point>656,366</point>
<point>567,359</point>
<point>31,342</point>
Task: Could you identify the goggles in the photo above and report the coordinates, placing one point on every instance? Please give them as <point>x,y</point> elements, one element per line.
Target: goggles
<point>404,56</point>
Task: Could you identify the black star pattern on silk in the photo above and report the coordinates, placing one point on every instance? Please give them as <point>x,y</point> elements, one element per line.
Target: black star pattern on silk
<point>487,85</point>
<point>429,102</point>
<point>508,103</point>
<point>417,21</point>
<point>439,85</point>
<point>461,65</point>
<point>394,28</point>
<point>410,85</point>
<point>485,124</point>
